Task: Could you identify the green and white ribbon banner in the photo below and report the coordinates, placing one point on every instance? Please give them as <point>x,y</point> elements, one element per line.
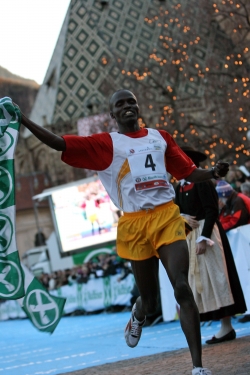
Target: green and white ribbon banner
<point>16,281</point>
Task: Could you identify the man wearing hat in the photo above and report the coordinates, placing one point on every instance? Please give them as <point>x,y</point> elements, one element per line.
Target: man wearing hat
<point>233,206</point>
<point>212,273</point>
<point>245,188</point>
<point>246,169</point>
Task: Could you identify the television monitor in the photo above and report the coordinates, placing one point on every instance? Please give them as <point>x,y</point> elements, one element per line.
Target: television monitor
<point>84,216</point>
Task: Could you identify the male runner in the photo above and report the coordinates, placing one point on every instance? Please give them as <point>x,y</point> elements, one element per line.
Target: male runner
<point>132,165</point>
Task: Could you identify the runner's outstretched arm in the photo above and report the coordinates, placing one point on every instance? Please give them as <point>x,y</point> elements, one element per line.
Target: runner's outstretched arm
<point>219,170</point>
<point>44,135</point>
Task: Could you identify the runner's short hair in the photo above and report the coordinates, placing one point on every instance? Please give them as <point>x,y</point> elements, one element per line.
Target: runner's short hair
<point>111,97</point>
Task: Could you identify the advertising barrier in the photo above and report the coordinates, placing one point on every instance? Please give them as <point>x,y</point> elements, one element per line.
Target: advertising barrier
<point>95,295</point>
<point>101,293</point>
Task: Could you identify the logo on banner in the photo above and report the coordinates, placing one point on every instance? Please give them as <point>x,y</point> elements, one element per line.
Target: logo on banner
<point>5,119</point>
<point>6,233</point>
<point>6,143</point>
<point>6,185</point>
<point>107,291</point>
<point>7,114</point>
<point>10,279</point>
<point>42,308</point>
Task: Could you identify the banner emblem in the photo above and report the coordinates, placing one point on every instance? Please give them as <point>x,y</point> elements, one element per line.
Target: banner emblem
<point>6,233</point>
<point>6,143</point>
<point>10,279</point>
<point>43,310</point>
<point>6,185</point>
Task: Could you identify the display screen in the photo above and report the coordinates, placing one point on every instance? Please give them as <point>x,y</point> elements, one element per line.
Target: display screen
<point>84,216</point>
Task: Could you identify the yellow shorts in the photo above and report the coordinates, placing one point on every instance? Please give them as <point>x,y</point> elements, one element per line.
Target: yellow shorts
<point>140,234</point>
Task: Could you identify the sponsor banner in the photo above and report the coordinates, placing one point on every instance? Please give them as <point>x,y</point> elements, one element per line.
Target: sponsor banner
<point>16,282</point>
<point>11,276</point>
<point>239,239</point>
<point>97,294</point>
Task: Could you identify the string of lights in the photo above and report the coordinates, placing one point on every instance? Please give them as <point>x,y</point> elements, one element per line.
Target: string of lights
<point>196,79</point>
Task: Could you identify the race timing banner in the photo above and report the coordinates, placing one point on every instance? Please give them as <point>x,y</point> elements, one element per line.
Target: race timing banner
<point>16,281</point>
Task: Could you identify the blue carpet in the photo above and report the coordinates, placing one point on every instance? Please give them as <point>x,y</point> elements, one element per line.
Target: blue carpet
<point>86,341</point>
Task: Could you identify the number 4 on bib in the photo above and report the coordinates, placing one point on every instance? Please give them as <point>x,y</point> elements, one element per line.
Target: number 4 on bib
<point>149,163</point>
<point>147,167</point>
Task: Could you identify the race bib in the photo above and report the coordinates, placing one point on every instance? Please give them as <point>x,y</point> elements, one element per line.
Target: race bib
<point>147,166</point>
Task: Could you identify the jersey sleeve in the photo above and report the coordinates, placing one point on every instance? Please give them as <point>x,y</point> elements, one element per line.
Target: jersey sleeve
<point>94,152</point>
<point>178,164</point>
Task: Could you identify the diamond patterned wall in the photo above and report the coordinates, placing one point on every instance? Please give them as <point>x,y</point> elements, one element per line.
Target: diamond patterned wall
<point>85,70</point>
<point>94,37</point>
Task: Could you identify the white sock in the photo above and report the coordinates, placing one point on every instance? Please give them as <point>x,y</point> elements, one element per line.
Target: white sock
<point>225,328</point>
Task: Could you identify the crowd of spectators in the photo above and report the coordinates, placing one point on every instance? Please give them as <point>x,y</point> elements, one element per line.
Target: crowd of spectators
<point>102,266</point>
<point>110,264</point>
<point>239,176</point>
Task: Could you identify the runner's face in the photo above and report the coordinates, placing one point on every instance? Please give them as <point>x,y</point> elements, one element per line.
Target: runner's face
<point>124,108</point>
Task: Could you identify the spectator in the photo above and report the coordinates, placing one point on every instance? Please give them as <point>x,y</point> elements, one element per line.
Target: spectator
<point>247,164</point>
<point>127,269</point>
<point>231,176</point>
<point>245,188</point>
<point>233,210</point>
<point>95,270</point>
<point>62,278</point>
<point>104,265</point>
<point>240,178</point>
<point>109,268</point>
<point>246,168</point>
<point>44,278</point>
<point>82,276</point>
<point>52,282</point>
<point>212,273</point>
<point>72,278</point>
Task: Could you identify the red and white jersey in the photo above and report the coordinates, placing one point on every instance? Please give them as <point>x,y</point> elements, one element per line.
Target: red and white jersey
<point>137,177</point>
<point>132,167</point>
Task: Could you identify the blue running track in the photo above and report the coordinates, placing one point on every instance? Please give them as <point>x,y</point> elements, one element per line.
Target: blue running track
<point>86,341</point>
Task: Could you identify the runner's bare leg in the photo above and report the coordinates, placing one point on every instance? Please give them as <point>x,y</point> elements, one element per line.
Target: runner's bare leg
<point>146,277</point>
<point>175,259</point>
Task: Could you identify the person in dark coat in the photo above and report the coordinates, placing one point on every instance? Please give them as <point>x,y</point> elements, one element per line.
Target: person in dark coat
<point>212,273</point>
<point>234,206</point>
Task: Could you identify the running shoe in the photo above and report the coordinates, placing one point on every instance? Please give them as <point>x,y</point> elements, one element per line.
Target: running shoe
<point>201,371</point>
<point>133,329</point>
